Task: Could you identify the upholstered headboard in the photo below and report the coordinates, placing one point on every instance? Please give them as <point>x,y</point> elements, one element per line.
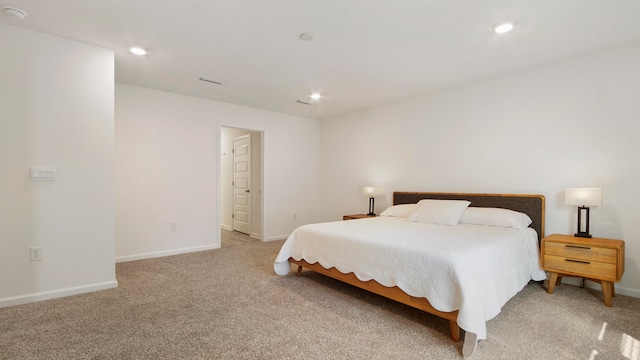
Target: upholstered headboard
<point>532,205</point>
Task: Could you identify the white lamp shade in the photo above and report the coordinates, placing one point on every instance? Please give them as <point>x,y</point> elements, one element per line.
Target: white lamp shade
<point>583,196</point>
<point>371,191</point>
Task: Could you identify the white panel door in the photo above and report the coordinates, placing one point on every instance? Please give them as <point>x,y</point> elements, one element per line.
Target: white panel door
<point>242,184</point>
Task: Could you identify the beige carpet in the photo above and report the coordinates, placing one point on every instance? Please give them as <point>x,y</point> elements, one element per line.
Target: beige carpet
<point>229,304</point>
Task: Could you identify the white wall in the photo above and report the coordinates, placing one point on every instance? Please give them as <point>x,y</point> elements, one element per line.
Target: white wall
<point>572,123</point>
<point>167,170</point>
<point>56,101</point>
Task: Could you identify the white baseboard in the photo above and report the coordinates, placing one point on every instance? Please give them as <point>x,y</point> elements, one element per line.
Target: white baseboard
<point>53,294</point>
<point>596,286</point>
<point>278,237</point>
<point>226,227</point>
<point>156,254</point>
<point>627,291</point>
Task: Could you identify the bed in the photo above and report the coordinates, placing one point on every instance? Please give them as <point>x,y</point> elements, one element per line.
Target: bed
<point>434,252</point>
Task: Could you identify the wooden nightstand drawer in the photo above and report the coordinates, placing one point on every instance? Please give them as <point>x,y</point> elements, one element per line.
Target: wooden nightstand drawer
<point>581,252</point>
<point>582,268</point>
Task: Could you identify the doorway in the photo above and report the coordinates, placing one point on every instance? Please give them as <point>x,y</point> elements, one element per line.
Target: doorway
<point>241,183</point>
<point>241,186</point>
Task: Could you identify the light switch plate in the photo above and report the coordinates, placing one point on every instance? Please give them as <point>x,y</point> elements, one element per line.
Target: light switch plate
<point>44,173</point>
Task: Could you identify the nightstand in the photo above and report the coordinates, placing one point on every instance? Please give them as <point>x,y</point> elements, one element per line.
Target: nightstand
<point>357,216</point>
<point>595,259</point>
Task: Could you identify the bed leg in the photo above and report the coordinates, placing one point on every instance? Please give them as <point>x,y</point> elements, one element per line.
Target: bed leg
<point>455,330</point>
<point>299,271</point>
<point>470,343</point>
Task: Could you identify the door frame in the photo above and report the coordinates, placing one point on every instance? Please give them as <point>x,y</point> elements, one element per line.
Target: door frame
<point>264,187</point>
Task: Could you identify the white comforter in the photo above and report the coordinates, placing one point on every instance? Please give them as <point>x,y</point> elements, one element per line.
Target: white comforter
<point>470,268</point>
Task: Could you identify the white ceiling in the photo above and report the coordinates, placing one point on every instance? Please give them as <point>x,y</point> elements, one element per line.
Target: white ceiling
<point>365,52</point>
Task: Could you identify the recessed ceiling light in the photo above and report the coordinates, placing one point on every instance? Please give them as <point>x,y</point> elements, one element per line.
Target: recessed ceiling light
<point>306,37</point>
<point>13,12</point>
<point>138,50</point>
<point>503,28</point>
<point>314,98</point>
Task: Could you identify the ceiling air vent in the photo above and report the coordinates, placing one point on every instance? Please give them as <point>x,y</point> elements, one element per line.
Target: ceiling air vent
<point>202,78</point>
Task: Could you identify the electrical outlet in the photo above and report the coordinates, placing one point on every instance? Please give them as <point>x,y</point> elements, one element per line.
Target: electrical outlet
<point>173,227</point>
<point>35,253</point>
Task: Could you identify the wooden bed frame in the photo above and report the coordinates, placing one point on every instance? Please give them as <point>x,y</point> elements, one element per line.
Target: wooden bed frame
<point>532,205</point>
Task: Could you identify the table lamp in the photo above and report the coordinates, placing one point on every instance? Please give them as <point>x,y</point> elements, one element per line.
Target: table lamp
<point>371,192</point>
<point>583,197</point>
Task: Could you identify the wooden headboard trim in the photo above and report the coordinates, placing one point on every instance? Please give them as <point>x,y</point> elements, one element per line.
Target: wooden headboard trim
<point>532,205</point>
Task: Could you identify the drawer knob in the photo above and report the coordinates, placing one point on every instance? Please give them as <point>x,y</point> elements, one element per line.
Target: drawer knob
<point>578,261</point>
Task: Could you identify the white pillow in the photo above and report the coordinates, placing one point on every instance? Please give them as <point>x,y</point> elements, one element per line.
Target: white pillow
<point>495,217</point>
<point>401,211</point>
<point>443,212</point>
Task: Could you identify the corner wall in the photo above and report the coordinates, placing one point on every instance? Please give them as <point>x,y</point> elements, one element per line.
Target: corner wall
<point>168,169</point>
<point>56,97</point>
<point>572,123</point>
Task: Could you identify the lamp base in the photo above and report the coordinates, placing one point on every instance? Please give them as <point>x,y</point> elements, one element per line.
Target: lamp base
<point>583,222</point>
<point>371,207</point>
